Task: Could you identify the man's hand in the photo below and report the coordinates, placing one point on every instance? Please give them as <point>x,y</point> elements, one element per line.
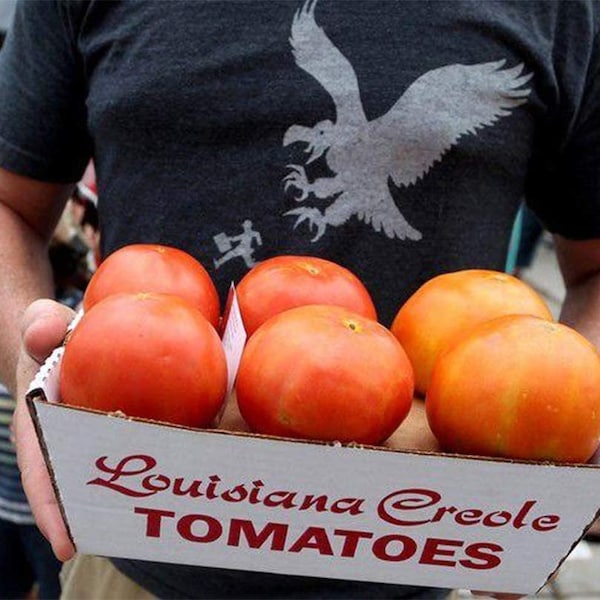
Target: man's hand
<point>44,327</point>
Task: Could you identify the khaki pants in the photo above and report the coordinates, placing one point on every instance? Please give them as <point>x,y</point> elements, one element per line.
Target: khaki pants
<point>88,577</point>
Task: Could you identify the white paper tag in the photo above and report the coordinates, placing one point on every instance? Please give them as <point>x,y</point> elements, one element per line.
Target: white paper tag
<point>234,338</point>
<point>75,320</point>
<point>46,379</point>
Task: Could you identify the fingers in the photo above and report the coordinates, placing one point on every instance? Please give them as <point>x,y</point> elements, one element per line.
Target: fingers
<point>38,487</point>
<point>43,328</point>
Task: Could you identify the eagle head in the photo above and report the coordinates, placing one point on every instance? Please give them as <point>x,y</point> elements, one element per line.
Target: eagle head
<point>317,138</point>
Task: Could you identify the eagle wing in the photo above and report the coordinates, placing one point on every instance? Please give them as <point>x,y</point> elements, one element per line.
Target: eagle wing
<point>440,107</point>
<point>316,54</point>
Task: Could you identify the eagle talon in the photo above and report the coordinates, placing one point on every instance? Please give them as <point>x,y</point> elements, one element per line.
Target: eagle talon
<point>314,217</point>
<point>296,169</point>
<point>297,179</point>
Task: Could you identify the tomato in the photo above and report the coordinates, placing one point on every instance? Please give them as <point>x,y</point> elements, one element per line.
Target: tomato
<point>323,372</point>
<point>444,307</point>
<point>148,355</point>
<point>284,282</point>
<point>155,268</point>
<point>518,387</point>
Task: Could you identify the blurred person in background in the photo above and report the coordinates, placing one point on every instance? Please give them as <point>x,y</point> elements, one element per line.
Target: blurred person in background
<point>531,235</point>
<point>71,256</point>
<point>85,208</point>
<point>527,234</point>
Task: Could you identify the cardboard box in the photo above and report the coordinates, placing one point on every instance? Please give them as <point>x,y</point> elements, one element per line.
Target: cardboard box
<point>138,489</point>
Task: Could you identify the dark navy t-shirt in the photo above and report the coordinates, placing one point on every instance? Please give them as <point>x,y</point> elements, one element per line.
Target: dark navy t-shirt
<point>397,138</point>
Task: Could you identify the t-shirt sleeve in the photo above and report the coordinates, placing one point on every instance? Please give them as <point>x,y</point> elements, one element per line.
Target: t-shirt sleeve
<point>566,190</point>
<point>43,115</point>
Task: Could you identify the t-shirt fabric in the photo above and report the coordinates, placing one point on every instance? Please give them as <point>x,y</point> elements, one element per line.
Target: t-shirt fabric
<point>397,138</point>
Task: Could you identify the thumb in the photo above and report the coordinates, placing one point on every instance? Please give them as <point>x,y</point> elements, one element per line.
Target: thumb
<point>43,327</point>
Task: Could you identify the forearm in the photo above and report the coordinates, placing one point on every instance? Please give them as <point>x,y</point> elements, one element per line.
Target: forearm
<point>581,308</point>
<point>580,266</point>
<point>25,275</point>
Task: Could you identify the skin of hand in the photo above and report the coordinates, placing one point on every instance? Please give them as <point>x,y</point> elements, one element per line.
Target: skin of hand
<point>44,326</point>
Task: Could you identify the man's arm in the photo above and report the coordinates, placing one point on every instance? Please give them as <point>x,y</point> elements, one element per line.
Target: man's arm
<point>29,212</point>
<point>580,265</point>
<point>579,262</point>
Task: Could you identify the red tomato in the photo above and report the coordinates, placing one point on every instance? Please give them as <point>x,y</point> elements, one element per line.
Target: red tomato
<point>444,307</point>
<point>155,268</point>
<point>518,387</point>
<point>284,282</point>
<point>324,372</point>
<point>148,355</point>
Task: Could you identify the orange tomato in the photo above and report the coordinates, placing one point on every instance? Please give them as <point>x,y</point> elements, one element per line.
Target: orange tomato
<point>446,306</point>
<point>148,355</point>
<point>323,372</point>
<point>155,268</point>
<point>518,387</point>
<point>284,282</point>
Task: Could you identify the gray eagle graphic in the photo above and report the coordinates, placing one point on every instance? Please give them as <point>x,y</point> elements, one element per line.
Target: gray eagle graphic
<point>397,148</point>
